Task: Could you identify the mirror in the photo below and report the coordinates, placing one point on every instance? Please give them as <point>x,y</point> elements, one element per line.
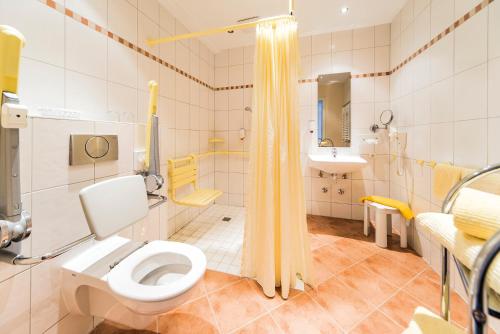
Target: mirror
<point>334,110</point>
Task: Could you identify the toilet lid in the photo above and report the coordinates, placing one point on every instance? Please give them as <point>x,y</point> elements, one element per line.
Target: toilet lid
<point>121,281</point>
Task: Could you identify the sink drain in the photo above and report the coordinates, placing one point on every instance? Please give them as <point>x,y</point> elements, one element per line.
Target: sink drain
<point>226,219</point>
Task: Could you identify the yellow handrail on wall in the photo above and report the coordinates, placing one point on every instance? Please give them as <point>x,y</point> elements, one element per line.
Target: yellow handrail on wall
<point>206,154</point>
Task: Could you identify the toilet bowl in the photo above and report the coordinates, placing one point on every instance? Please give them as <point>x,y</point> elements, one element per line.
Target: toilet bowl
<point>122,280</point>
<point>153,278</point>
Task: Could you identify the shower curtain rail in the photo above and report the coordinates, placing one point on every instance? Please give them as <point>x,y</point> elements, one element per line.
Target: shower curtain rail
<point>227,29</point>
<point>214,31</point>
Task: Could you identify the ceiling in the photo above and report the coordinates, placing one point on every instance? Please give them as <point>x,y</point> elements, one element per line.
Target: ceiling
<point>314,16</point>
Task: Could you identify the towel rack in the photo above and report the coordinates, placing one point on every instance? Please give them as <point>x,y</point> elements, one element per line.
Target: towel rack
<point>446,208</point>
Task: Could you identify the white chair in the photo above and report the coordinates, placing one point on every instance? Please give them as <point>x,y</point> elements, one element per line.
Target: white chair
<point>383,223</point>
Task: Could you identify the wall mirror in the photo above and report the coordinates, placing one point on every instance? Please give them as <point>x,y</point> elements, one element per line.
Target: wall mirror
<point>334,110</point>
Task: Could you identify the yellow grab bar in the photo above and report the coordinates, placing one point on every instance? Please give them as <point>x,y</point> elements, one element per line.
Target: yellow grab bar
<point>152,109</point>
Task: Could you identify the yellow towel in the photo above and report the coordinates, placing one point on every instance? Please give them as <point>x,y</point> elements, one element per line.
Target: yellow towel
<point>402,207</point>
<point>445,177</point>
<point>477,213</point>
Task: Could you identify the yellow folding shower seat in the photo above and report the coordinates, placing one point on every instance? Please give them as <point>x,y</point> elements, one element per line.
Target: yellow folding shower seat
<point>183,172</point>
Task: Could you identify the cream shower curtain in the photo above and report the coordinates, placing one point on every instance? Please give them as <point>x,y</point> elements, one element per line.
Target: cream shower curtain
<point>276,246</point>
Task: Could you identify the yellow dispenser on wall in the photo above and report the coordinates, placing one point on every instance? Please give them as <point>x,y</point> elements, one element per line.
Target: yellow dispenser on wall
<point>11,43</point>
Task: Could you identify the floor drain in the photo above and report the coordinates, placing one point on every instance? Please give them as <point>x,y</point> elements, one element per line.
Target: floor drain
<point>226,219</point>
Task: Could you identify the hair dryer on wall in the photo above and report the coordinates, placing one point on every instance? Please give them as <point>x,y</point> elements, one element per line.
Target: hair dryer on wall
<point>15,223</point>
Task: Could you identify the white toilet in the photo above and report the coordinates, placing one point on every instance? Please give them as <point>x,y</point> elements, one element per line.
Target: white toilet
<point>122,280</point>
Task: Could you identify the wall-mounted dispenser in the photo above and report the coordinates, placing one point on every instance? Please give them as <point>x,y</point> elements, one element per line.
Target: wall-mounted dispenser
<point>15,223</point>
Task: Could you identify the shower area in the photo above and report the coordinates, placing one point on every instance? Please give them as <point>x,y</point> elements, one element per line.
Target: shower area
<point>222,161</point>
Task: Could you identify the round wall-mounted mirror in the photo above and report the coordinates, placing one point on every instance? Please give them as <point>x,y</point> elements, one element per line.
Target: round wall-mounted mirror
<point>386,117</point>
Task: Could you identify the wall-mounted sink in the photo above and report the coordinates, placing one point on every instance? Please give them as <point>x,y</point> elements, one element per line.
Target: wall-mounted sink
<point>340,164</point>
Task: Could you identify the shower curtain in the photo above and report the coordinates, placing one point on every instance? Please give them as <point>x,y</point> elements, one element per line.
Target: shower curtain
<point>276,249</point>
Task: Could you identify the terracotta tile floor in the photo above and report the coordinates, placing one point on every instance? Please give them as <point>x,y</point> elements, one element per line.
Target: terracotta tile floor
<point>361,289</point>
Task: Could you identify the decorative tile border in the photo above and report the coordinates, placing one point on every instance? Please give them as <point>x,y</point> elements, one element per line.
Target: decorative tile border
<point>444,33</point>
<point>83,20</point>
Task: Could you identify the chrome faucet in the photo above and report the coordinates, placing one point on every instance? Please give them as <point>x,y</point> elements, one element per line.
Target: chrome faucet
<point>334,152</point>
<point>323,142</point>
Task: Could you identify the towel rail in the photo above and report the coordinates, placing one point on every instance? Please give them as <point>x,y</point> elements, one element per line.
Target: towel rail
<point>448,203</point>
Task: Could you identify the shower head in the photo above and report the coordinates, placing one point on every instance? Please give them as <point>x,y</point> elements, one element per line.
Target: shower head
<point>248,109</point>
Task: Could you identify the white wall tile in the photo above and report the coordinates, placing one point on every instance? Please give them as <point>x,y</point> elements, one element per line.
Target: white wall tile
<point>383,35</point>
<point>442,101</point>
<point>321,64</point>
<point>86,94</point>
<point>147,29</point>
<point>471,94</point>
<point>494,30</point>
<point>471,143</point>
<point>493,140</point>
<point>363,61</point>
<point>45,44</point>
<point>441,58</point>
<point>15,295</point>
<point>51,153</point>
<point>94,10</point>
<point>342,40</point>
<point>236,56</point>
<point>363,38</point>
<point>321,43</point>
<point>442,139</point>
<point>122,64</point>
<point>85,51</point>
<point>122,19</point>
<point>471,42</point>
<point>57,217</point>
<point>494,87</point>
<point>151,8</point>
<point>442,15</point>
<point>40,85</point>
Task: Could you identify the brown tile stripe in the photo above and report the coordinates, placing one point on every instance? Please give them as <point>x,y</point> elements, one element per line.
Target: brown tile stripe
<point>68,12</point>
<point>444,33</point>
<point>83,20</point>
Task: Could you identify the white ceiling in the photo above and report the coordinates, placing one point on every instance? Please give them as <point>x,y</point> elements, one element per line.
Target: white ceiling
<point>314,16</point>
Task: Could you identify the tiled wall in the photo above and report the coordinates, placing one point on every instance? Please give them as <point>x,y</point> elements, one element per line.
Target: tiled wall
<point>360,51</point>
<point>446,97</point>
<point>98,65</point>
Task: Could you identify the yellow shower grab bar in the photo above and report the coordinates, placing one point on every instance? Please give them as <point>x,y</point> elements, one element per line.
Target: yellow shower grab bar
<point>182,172</point>
<point>152,109</point>
<point>206,154</point>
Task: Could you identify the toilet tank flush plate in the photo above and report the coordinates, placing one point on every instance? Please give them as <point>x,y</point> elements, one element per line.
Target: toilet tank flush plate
<point>89,149</point>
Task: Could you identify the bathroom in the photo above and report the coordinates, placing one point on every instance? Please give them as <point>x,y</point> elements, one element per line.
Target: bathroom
<point>162,82</point>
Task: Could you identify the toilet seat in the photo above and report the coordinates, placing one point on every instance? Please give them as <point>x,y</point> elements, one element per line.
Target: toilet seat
<point>158,271</point>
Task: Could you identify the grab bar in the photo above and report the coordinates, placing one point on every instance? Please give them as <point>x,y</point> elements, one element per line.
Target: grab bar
<point>161,199</point>
<point>19,259</point>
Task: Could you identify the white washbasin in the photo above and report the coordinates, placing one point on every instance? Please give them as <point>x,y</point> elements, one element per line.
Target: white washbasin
<point>340,164</point>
